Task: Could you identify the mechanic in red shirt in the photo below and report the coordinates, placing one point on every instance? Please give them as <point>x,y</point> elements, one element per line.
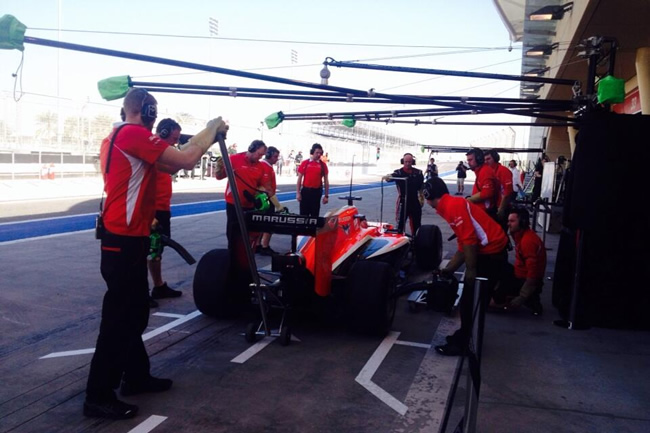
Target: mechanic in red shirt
<point>169,131</point>
<point>270,159</point>
<point>312,176</point>
<point>524,283</point>
<point>481,247</point>
<point>505,190</point>
<point>485,190</point>
<point>252,178</point>
<point>128,157</point>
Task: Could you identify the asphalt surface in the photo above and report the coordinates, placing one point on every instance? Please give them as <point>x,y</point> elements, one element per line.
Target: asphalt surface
<point>535,377</point>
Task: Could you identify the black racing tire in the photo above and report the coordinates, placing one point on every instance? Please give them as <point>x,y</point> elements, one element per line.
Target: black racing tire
<point>251,333</point>
<point>285,336</point>
<point>371,305</point>
<point>428,247</point>
<point>214,292</point>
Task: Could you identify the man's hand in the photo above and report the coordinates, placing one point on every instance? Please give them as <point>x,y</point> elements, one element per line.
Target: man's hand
<point>298,196</point>
<point>325,199</point>
<point>219,125</point>
<point>386,178</point>
<point>421,198</point>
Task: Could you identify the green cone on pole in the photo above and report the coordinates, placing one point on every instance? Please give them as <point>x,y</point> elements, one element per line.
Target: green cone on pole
<point>274,119</point>
<point>114,87</point>
<point>12,33</point>
<point>349,122</point>
<point>611,90</point>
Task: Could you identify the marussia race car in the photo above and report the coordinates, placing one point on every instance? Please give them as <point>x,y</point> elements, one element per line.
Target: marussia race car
<point>340,256</point>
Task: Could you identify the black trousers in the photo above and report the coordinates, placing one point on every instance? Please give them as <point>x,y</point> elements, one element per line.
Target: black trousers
<point>412,212</point>
<point>120,351</point>
<point>310,203</point>
<point>490,266</point>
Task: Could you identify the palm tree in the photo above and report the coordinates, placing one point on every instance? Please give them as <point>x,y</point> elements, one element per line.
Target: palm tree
<point>47,125</point>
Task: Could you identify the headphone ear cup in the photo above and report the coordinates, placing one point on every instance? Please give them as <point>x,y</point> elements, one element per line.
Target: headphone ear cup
<point>401,161</point>
<point>413,161</point>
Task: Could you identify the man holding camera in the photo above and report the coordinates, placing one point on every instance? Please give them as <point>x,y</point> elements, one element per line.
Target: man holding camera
<point>128,157</point>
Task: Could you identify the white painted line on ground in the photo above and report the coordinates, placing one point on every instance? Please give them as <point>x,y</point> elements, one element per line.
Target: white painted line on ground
<point>145,337</point>
<point>364,378</point>
<point>68,353</point>
<point>413,344</point>
<point>176,316</point>
<point>149,424</point>
<point>252,351</point>
<point>428,395</point>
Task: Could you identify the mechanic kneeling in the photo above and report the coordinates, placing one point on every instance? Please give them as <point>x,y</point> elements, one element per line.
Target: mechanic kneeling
<point>522,284</point>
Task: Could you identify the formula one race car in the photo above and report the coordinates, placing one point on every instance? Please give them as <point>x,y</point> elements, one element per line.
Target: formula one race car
<point>340,256</point>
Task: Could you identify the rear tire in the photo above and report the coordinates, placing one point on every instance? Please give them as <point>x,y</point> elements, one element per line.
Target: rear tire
<point>371,305</point>
<point>214,292</point>
<point>428,247</point>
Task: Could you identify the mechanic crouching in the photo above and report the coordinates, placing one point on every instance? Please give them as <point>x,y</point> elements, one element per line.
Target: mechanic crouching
<point>481,247</point>
<point>522,285</point>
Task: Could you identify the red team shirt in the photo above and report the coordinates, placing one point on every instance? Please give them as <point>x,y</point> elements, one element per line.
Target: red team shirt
<point>313,172</point>
<point>472,225</point>
<point>486,184</point>
<point>130,184</point>
<point>504,179</point>
<point>249,178</point>
<point>269,174</point>
<point>530,255</point>
<point>163,190</point>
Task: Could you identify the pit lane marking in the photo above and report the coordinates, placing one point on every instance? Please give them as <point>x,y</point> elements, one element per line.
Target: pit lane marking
<point>179,321</point>
<point>149,424</point>
<point>253,350</point>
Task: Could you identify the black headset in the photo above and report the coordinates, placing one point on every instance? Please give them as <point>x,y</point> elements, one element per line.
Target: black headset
<point>434,188</point>
<point>478,155</point>
<point>401,161</point>
<point>148,112</point>
<point>166,127</point>
<point>270,151</point>
<point>314,147</point>
<point>256,144</point>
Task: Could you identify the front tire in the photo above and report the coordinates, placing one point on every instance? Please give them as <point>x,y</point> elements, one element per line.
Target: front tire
<point>214,292</point>
<point>370,303</point>
<point>428,247</point>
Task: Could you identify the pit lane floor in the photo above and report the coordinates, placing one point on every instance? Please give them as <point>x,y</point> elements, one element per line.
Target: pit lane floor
<point>326,380</point>
<point>536,377</point>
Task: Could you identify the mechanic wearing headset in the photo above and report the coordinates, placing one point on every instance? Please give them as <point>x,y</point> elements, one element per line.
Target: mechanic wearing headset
<point>505,191</point>
<point>485,190</point>
<point>128,157</point>
<point>312,176</point>
<point>251,178</point>
<point>481,247</point>
<point>169,131</point>
<point>270,158</point>
<point>408,202</point>
<point>523,283</point>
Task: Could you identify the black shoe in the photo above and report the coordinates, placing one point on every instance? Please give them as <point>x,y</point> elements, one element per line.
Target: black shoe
<point>258,249</point>
<point>114,409</point>
<point>453,338</point>
<point>152,384</point>
<point>267,251</point>
<point>536,308</point>
<point>164,291</point>
<point>152,303</point>
<point>449,350</point>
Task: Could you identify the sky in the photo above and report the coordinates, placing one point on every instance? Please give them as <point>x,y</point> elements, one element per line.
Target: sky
<point>259,36</point>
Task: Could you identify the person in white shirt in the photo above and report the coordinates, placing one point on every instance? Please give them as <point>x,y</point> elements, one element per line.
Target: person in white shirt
<point>517,185</point>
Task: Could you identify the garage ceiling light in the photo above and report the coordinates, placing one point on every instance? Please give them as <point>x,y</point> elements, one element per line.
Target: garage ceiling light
<point>548,13</point>
<point>541,50</point>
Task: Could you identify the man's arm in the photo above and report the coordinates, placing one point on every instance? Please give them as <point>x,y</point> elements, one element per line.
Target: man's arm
<point>195,148</point>
<point>299,187</point>
<point>326,183</point>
